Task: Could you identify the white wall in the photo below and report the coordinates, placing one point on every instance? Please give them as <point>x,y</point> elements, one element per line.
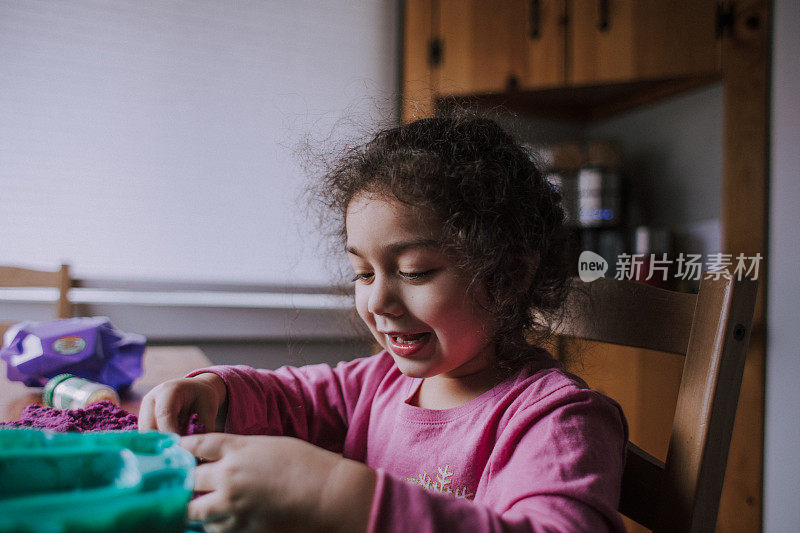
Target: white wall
<point>671,161</point>
<point>155,139</point>
<point>672,156</point>
<point>782,431</point>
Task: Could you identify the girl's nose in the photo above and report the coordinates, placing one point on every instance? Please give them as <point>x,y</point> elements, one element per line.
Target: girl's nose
<point>383,298</point>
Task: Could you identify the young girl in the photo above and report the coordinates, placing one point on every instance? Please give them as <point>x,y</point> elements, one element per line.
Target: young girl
<point>460,423</point>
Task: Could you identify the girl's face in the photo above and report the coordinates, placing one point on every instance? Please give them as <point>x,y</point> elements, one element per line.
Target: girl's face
<point>410,294</point>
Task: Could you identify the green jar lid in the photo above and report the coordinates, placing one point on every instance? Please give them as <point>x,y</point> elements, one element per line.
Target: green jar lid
<point>47,393</point>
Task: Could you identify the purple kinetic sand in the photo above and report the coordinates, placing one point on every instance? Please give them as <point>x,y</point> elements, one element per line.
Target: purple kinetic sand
<point>100,416</point>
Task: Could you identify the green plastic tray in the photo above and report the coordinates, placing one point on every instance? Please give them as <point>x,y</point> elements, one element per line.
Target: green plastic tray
<point>120,481</point>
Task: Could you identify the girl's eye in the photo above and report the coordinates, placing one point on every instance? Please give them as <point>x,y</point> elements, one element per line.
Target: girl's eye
<point>363,277</point>
<point>416,275</point>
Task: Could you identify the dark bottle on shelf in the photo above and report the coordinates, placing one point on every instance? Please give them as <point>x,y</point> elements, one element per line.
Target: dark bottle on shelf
<point>600,187</point>
<point>599,204</point>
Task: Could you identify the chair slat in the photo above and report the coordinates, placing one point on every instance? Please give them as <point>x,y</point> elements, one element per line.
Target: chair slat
<point>706,408</point>
<point>22,277</point>
<point>64,285</point>
<point>61,279</point>
<point>629,314</point>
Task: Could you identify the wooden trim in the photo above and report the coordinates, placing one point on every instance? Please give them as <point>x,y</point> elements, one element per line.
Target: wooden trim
<point>22,277</point>
<point>584,104</point>
<point>418,77</point>
<point>64,285</point>
<point>745,178</point>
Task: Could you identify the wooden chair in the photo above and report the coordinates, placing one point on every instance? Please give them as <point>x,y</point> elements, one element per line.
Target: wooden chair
<point>712,330</point>
<point>24,277</point>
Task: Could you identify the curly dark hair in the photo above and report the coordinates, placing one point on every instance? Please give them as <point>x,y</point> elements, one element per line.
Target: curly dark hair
<point>501,220</point>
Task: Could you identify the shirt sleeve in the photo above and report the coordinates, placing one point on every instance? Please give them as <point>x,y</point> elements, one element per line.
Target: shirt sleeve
<point>557,466</point>
<point>313,403</point>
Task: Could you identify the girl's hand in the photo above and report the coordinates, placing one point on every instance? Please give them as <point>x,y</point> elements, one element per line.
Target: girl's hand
<point>258,483</point>
<point>168,406</point>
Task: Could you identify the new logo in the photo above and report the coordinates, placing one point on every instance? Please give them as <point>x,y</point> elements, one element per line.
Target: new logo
<point>591,266</point>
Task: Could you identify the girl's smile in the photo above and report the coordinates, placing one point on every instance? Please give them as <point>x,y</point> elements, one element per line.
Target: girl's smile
<point>410,294</point>
<point>405,345</point>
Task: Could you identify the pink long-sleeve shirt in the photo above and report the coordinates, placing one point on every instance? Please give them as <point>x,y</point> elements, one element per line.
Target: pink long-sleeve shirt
<point>538,452</point>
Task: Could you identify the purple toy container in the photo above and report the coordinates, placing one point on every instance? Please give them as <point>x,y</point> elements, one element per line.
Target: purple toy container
<point>89,347</point>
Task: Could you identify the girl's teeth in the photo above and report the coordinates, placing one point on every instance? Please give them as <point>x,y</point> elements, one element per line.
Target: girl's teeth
<point>409,340</point>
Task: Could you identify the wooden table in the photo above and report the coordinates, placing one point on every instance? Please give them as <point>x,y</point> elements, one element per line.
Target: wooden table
<point>160,364</point>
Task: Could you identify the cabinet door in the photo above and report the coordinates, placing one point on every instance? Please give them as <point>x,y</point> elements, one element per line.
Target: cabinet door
<point>418,82</point>
<point>625,40</point>
<point>546,39</point>
<point>483,45</point>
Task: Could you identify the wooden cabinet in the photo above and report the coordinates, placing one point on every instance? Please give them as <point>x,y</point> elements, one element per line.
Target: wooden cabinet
<point>481,45</point>
<point>493,46</point>
<point>625,40</point>
<point>456,48</point>
<point>545,35</point>
<point>467,47</point>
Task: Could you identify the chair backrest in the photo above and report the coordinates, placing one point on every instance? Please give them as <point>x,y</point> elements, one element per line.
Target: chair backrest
<point>712,330</point>
<point>11,276</point>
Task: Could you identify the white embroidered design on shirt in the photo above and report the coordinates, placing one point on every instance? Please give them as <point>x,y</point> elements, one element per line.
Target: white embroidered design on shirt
<point>442,484</point>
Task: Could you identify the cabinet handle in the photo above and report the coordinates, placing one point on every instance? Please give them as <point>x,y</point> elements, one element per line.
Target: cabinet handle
<point>512,83</point>
<point>603,9</point>
<point>725,19</point>
<point>535,18</point>
<point>435,52</point>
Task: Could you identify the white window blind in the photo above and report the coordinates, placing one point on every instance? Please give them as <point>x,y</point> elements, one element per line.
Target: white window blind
<point>157,139</point>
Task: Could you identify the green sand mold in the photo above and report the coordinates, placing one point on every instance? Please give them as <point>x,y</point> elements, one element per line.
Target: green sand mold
<point>116,481</point>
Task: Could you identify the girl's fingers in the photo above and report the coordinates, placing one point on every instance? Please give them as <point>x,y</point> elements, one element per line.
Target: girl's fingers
<point>224,525</point>
<point>209,446</point>
<point>206,478</point>
<point>167,417</point>
<point>212,511</point>
<point>147,421</point>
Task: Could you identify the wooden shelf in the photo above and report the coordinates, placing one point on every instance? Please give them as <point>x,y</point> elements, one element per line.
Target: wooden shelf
<point>582,104</point>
